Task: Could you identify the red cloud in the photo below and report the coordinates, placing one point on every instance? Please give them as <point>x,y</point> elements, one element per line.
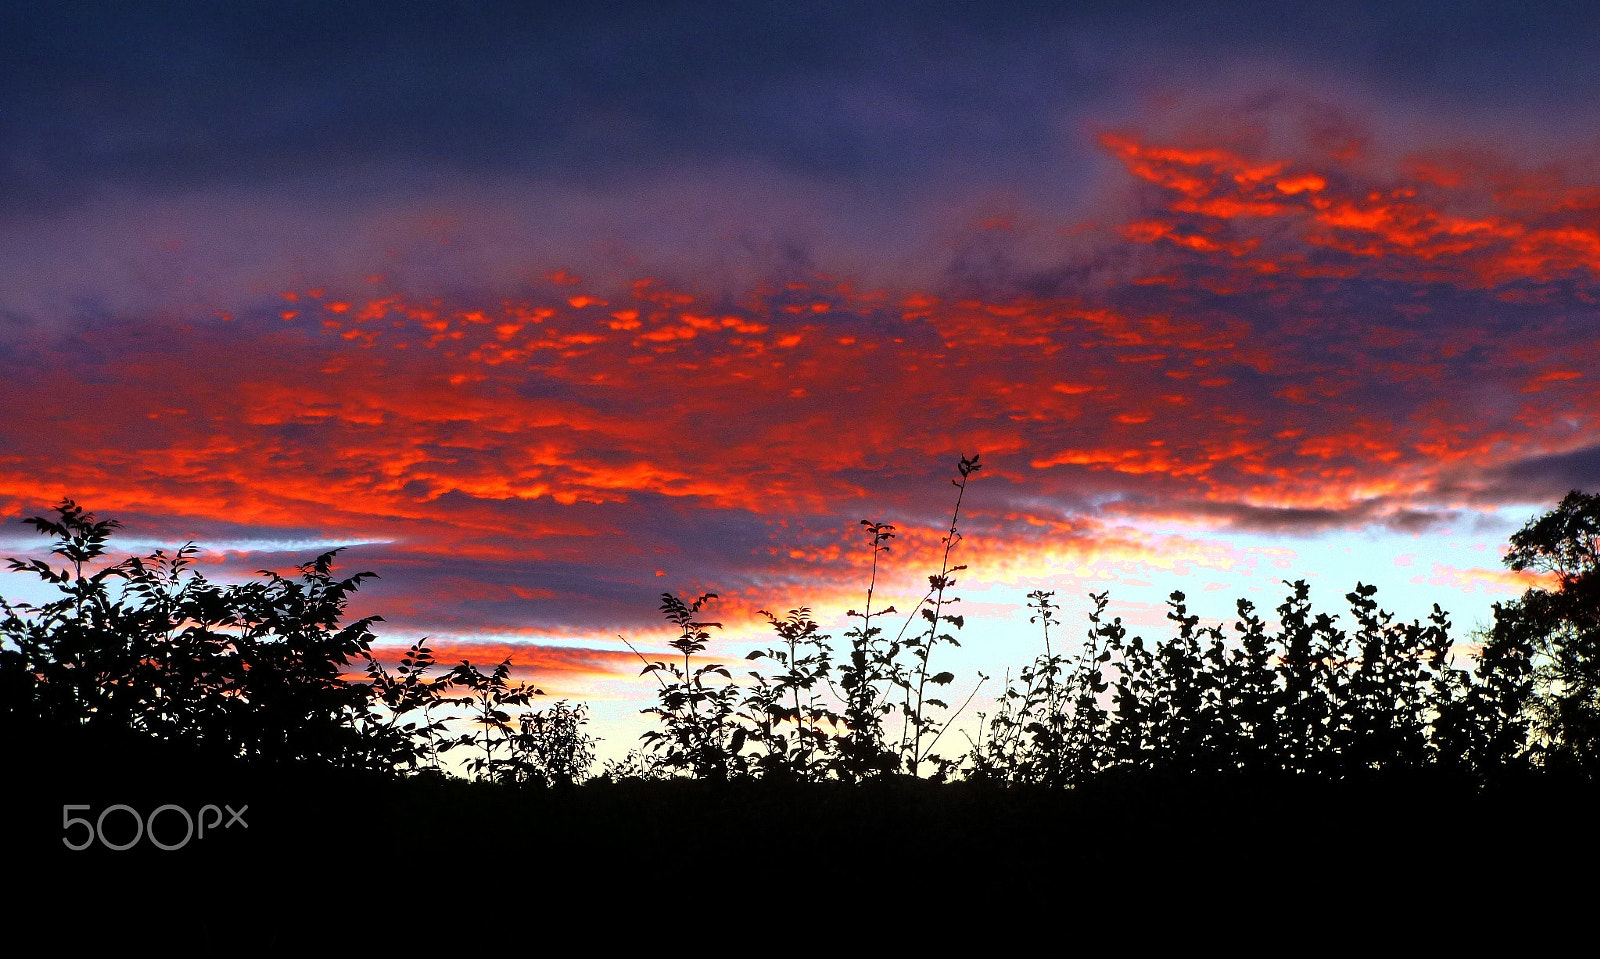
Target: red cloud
<point>1300,338</point>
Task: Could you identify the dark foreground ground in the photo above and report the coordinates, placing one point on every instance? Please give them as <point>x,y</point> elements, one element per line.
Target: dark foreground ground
<point>388,865</point>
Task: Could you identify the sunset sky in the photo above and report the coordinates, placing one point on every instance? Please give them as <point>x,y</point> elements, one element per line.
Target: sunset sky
<point>544,313</point>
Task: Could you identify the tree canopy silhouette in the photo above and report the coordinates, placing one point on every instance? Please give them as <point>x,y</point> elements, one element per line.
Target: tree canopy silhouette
<point>252,671</point>
<point>1558,630</point>
<point>256,671</point>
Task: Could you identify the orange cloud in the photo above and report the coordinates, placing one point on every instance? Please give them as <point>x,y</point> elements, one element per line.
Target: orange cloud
<point>1290,340</point>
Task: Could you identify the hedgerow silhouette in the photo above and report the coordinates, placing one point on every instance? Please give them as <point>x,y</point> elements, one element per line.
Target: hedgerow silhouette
<point>256,672</point>
<point>1308,698</point>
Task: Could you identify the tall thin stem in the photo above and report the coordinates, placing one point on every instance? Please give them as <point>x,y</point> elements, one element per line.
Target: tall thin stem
<point>939,583</point>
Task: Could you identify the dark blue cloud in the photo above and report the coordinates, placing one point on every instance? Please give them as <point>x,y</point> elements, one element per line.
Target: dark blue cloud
<point>1541,479</point>
<point>390,96</point>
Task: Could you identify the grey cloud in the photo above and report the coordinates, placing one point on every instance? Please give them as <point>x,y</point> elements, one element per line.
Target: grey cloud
<point>1542,478</point>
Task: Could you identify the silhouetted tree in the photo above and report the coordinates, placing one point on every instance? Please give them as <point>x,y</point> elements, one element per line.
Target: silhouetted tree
<point>400,727</point>
<point>1558,631</point>
<point>253,671</point>
<point>701,736</point>
<point>487,697</point>
<point>293,652</point>
<point>865,678</point>
<point>786,711</point>
<point>550,747</point>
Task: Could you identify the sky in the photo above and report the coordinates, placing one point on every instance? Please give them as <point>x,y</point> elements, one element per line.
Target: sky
<point>544,310</point>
